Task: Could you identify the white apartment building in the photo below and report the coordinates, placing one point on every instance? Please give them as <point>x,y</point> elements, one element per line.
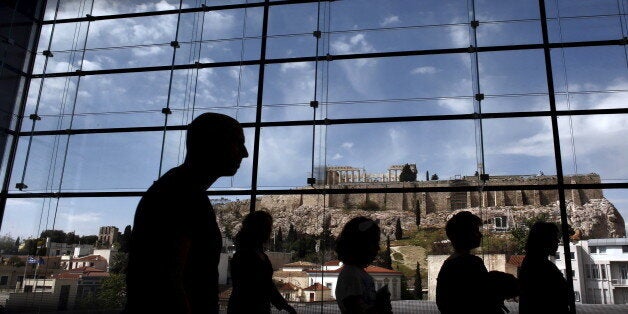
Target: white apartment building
<point>600,270</point>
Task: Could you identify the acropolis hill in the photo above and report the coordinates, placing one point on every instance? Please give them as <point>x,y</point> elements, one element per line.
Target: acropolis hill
<point>588,211</point>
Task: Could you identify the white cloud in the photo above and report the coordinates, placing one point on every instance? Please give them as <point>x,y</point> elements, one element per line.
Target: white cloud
<point>336,156</point>
<point>391,19</point>
<point>425,70</point>
<point>294,66</point>
<point>347,145</point>
<point>89,217</point>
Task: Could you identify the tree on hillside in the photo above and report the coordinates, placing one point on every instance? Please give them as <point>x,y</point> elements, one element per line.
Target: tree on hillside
<point>388,258</point>
<point>90,239</point>
<point>434,177</point>
<point>119,263</point>
<point>407,175</point>
<point>57,236</point>
<point>7,244</point>
<point>418,285</point>
<point>279,241</point>
<point>125,239</point>
<point>112,294</point>
<point>398,230</point>
<point>71,238</point>
<point>292,235</point>
<point>417,213</point>
<point>520,233</point>
<point>427,176</point>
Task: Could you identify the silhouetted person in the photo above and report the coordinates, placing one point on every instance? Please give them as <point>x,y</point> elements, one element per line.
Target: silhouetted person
<point>464,285</point>
<point>175,242</point>
<point>543,287</point>
<point>357,246</point>
<point>251,271</point>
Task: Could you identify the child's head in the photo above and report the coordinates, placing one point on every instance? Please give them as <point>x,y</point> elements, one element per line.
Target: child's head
<point>463,230</point>
<point>255,230</point>
<point>543,239</point>
<point>358,243</point>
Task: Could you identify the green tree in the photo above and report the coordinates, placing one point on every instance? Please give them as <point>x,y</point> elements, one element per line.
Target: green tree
<point>7,244</point>
<point>57,236</point>
<point>417,213</point>
<point>90,239</point>
<point>418,285</point>
<point>520,233</point>
<point>398,230</point>
<point>112,294</point>
<point>292,235</point>
<point>388,258</point>
<point>119,263</point>
<point>72,238</point>
<point>434,177</point>
<point>279,241</point>
<point>125,239</point>
<point>427,176</point>
<point>407,175</point>
<point>31,246</point>
<point>15,261</point>
<point>405,293</point>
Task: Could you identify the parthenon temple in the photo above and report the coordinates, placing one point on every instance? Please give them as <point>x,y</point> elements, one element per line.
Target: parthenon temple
<point>347,174</point>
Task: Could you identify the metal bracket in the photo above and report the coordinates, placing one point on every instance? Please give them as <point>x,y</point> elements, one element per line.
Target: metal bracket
<point>475,23</point>
<point>47,53</point>
<point>479,97</point>
<point>471,49</point>
<point>317,34</point>
<point>21,186</point>
<point>311,181</point>
<point>166,111</point>
<point>314,103</point>
<point>34,117</point>
<point>175,44</point>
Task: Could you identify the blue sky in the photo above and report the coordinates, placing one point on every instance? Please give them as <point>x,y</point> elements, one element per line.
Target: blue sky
<point>588,78</point>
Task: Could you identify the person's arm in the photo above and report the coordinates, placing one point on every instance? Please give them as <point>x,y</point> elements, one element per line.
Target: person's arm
<point>182,253</point>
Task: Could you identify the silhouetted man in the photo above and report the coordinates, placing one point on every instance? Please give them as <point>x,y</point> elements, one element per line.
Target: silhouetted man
<point>175,242</point>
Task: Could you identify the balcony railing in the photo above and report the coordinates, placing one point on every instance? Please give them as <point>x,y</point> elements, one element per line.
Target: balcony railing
<point>620,282</point>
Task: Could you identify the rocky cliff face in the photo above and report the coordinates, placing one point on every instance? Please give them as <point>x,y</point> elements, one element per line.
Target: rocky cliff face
<point>597,218</point>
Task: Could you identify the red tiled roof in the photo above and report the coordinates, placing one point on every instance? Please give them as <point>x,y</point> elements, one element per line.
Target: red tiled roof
<point>371,269</point>
<point>80,272</point>
<point>315,287</point>
<point>299,264</point>
<point>89,258</point>
<point>286,286</point>
<point>516,260</point>
<point>284,273</point>
<point>332,263</point>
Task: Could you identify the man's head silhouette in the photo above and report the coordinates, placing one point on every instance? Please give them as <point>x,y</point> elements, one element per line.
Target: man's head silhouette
<point>215,145</point>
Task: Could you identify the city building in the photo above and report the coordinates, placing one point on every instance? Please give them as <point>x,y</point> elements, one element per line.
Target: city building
<point>600,270</point>
<point>107,235</point>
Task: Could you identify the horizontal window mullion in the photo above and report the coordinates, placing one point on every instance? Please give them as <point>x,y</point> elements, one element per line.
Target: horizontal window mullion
<point>347,190</point>
<point>404,53</point>
<point>176,11</point>
<point>470,116</point>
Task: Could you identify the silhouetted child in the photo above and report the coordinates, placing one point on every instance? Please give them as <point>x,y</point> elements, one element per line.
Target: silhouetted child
<point>464,285</point>
<point>357,246</point>
<point>543,287</point>
<point>251,271</point>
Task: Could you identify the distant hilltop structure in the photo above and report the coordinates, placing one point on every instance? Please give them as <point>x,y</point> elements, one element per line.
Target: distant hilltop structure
<point>428,202</point>
<point>331,175</point>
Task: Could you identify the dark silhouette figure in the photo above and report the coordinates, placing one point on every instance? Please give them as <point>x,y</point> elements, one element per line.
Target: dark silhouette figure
<point>357,246</point>
<point>543,287</point>
<point>175,241</point>
<point>251,271</point>
<point>464,285</point>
